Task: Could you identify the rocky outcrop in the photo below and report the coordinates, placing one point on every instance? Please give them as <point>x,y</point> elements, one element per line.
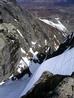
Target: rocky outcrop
<point>9,50</point>
<point>64,90</point>
<point>19,29</point>
<point>67,44</point>
<point>44,85</point>
<point>46,51</point>
<point>52,86</point>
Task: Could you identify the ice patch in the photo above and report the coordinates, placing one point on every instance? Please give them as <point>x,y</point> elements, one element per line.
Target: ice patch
<point>20,33</point>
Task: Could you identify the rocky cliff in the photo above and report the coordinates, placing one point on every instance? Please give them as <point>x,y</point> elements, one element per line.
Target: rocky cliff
<point>31,29</point>
<point>20,28</point>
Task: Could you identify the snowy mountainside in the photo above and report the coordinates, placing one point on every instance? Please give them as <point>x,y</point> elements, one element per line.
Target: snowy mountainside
<point>38,49</point>
<point>57,65</point>
<point>31,33</point>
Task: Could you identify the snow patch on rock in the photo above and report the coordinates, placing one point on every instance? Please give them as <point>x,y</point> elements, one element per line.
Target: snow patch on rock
<point>20,33</point>
<point>57,25</point>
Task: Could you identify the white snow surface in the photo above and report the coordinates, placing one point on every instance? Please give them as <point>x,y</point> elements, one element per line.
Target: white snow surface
<point>57,25</point>
<point>62,64</point>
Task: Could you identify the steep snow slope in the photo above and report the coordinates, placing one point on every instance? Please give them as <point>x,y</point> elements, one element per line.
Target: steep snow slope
<point>62,64</point>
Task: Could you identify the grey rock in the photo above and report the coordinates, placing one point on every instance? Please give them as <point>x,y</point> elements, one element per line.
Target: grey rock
<point>30,27</point>
<point>9,50</point>
<point>44,86</point>
<point>65,89</point>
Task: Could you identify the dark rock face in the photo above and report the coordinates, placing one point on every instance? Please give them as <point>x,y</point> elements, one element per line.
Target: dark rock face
<point>64,90</point>
<point>44,86</point>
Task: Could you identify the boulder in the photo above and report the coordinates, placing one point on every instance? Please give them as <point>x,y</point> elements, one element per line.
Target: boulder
<point>44,85</point>
<point>64,90</point>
